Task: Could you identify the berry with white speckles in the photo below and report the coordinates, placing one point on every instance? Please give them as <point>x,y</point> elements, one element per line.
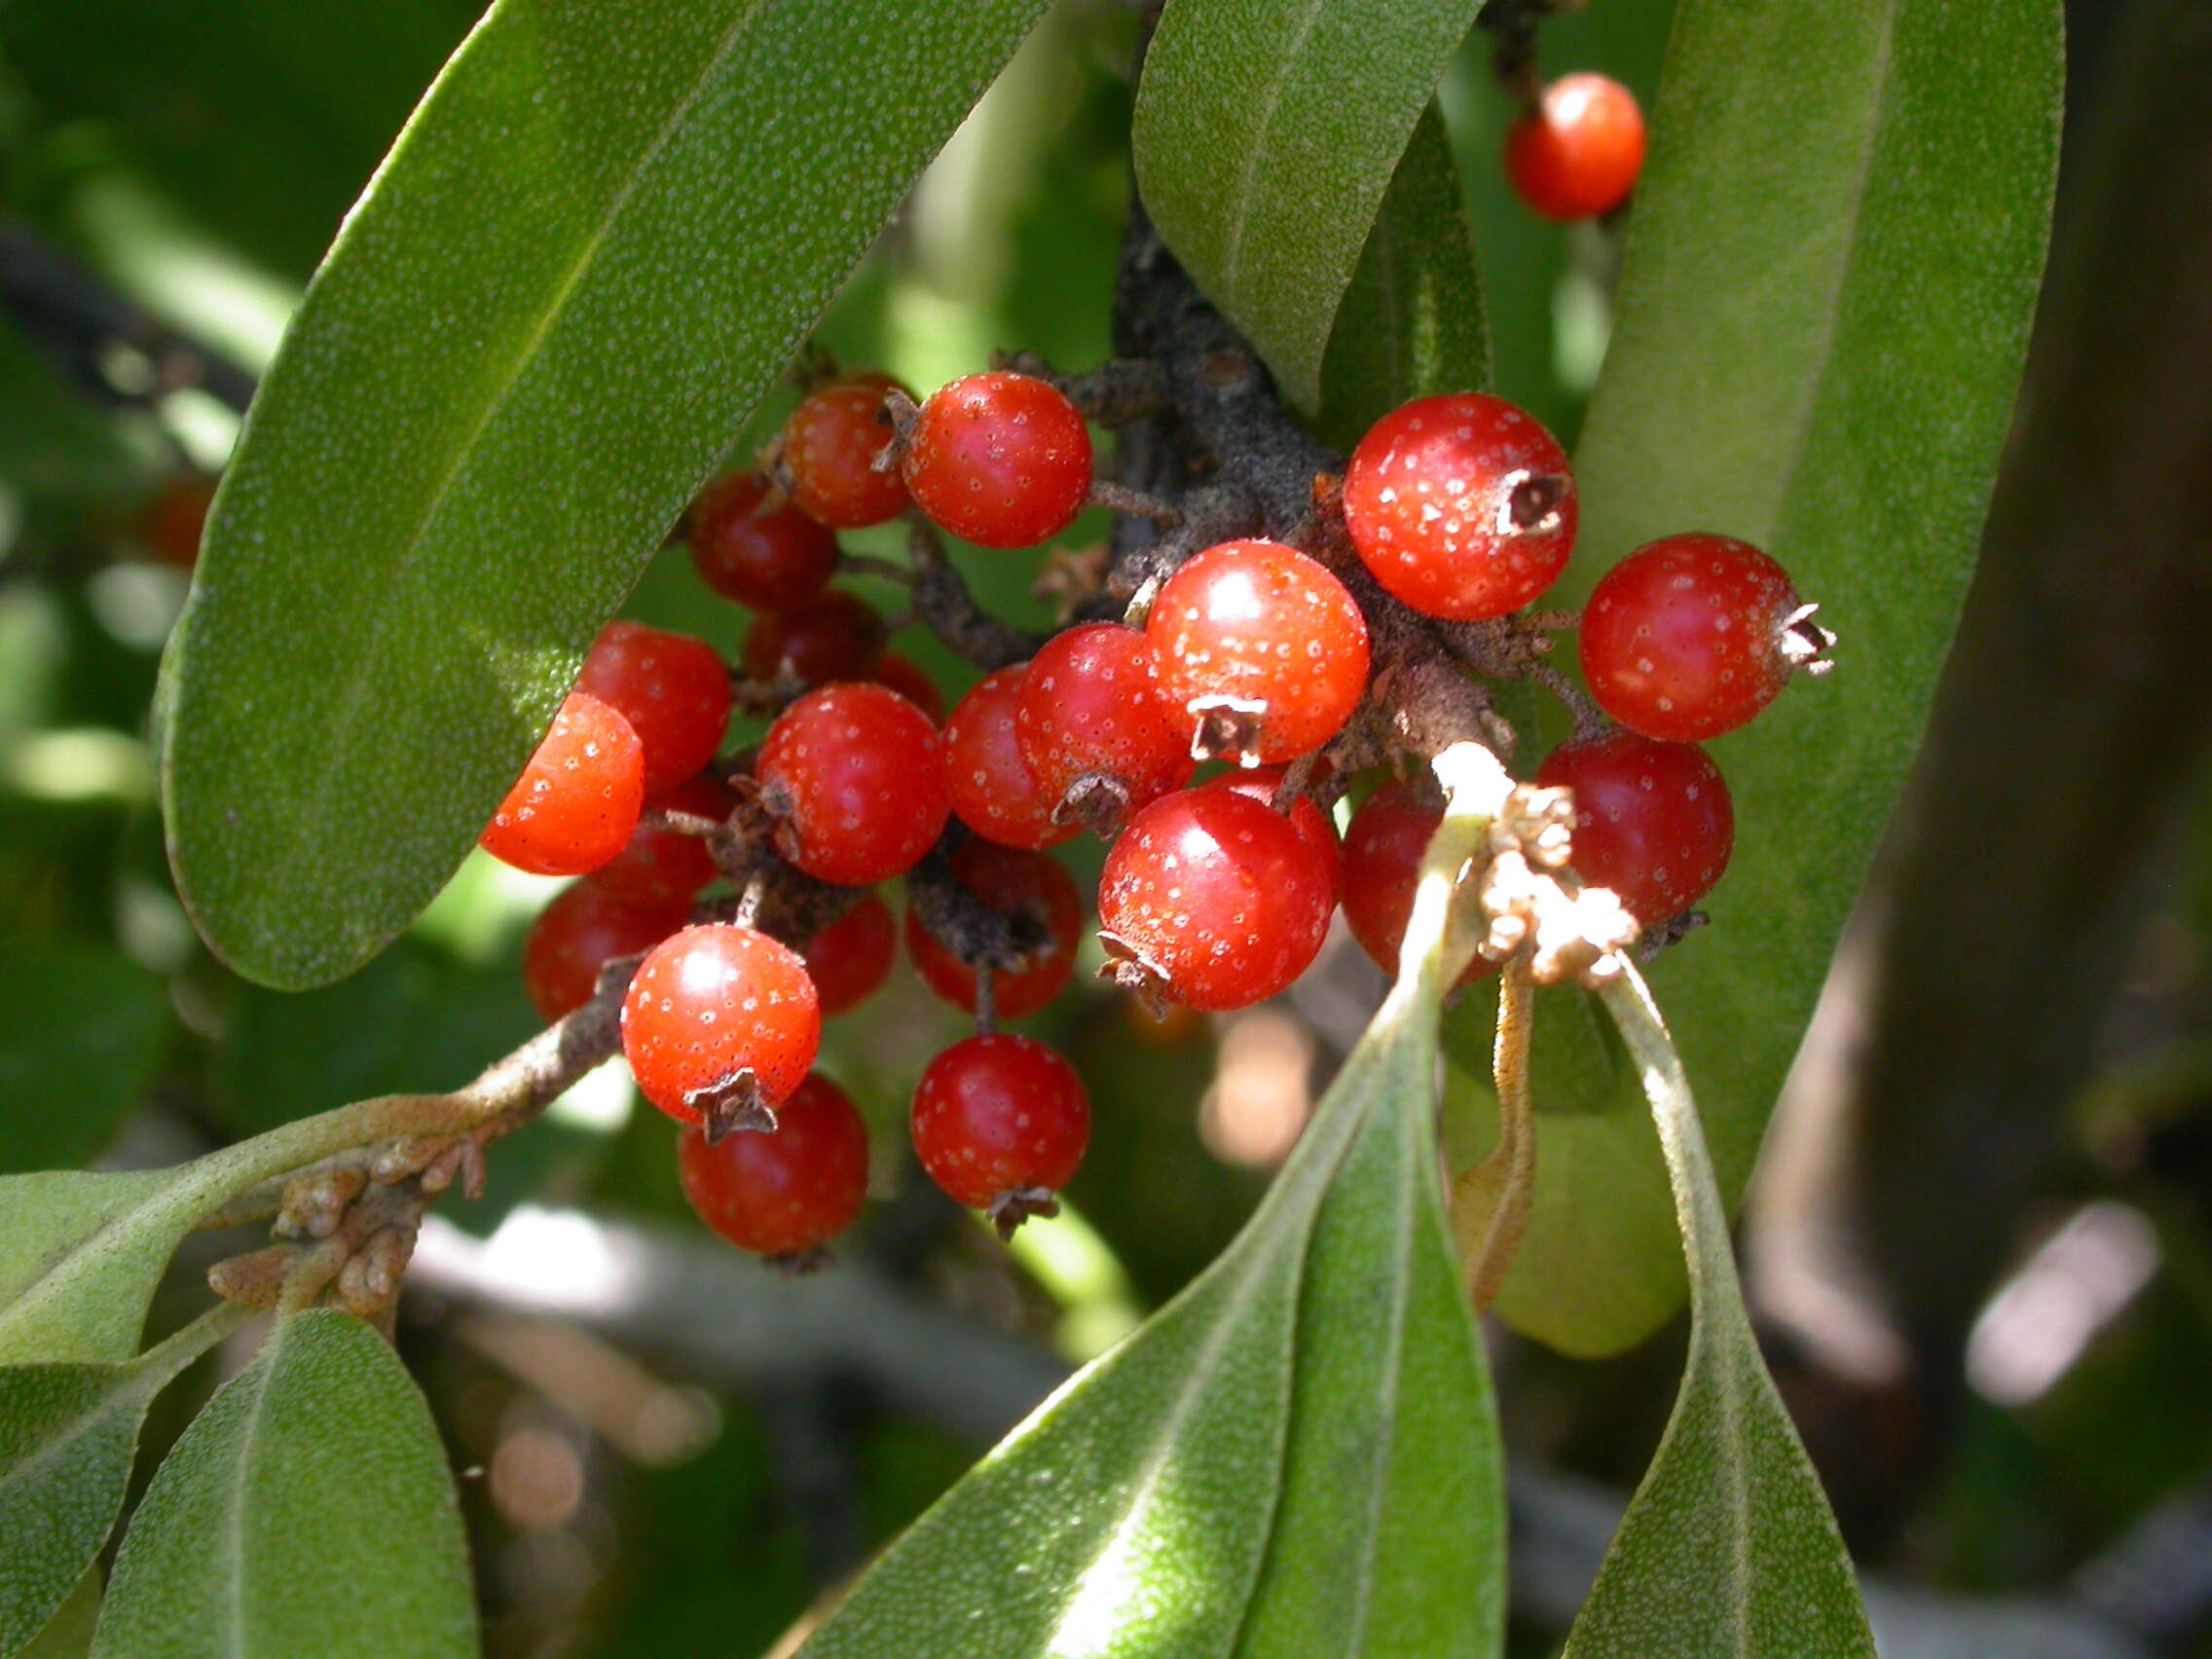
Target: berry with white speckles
<point>1213,900</point>
<point>1000,1123</point>
<point>849,960</point>
<point>587,926</point>
<point>1691,636</point>
<point>1001,459</point>
<point>575,803</point>
<point>719,1026</point>
<point>788,1193</point>
<point>993,791</point>
<point>832,635</point>
<point>829,450</point>
<point>1091,707</point>
<point>1652,821</point>
<point>1264,650</point>
<point>765,557</point>
<point>1463,506</point>
<point>854,777</point>
<point>671,688</point>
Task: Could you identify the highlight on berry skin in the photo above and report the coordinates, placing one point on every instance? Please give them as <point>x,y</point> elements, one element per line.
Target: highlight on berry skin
<point>1691,636</point>
<point>1463,506</point>
<point>1577,154</point>
<point>720,1026</point>
<point>577,801</point>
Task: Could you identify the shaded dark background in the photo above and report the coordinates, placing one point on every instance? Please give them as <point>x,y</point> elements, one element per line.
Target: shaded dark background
<point>1981,1241</point>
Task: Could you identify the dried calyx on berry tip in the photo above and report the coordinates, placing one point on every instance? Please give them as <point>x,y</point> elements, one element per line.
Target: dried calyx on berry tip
<point>732,1105</point>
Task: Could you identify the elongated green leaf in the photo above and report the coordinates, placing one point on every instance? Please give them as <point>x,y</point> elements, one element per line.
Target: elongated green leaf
<point>1830,267</point>
<point>1412,322</point>
<point>1729,1548</point>
<point>1266,132</point>
<point>308,1510</point>
<point>68,1633</point>
<point>1297,1455</point>
<point>80,1035</point>
<point>601,237</point>
<point>67,1437</point>
<point>80,1254</point>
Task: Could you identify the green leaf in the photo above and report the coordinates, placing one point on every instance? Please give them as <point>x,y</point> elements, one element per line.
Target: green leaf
<point>1267,133</point>
<point>1412,323</point>
<point>80,1254</point>
<point>68,1634</point>
<point>67,1437</point>
<point>1297,1455</point>
<point>601,237</point>
<point>1830,268</point>
<point>1729,1548</point>
<point>308,1510</point>
<point>81,1031</point>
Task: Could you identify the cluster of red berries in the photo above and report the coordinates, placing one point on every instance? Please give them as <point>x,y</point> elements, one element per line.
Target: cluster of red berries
<point>1575,151</point>
<point>1215,894</point>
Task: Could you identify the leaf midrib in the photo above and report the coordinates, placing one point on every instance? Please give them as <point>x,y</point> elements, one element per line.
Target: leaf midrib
<point>1232,249</point>
<point>232,1543</point>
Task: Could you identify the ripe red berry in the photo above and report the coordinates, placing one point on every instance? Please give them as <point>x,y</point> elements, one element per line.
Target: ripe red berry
<point>1652,821</point>
<point>785,1194</point>
<point>673,689</point>
<point>828,452</point>
<point>1000,1123</point>
<point>765,557</point>
<point>174,520</point>
<point>1000,460</point>
<point>1577,154</point>
<point>832,635</point>
<point>1264,650</point>
<point>1021,883</point>
<point>1092,707</point>
<point>1213,900</point>
<point>719,1026</point>
<point>1691,636</point>
<point>907,677</point>
<point>993,791</point>
<point>849,960</point>
<point>1305,816</point>
<point>853,776</point>
<point>1381,868</point>
<point>575,803</point>
<point>586,926</point>
<point>1462,506</point>
<point>671,860</point>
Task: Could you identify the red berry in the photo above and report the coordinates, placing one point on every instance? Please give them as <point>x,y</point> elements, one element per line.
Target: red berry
<point>831,637</point>
<point>853,776</point>
<point>1264,650</point>
<point>1092,705</point>
<point>765,557</point>
<point>1000,1123</point>
<point>1462,506</point>
<point>673,689</point>
<point>1000,460</point>
<point>1691,636</point>
<point>586,926</point>
<point>849,960</point>
<point>719,1024</point>
<point>1216,900</point>
<point>1024,883</point>
<point>175,520</point>
<point>993,791</point>
<point>575,803</point>
<point>669,858</point>
<point>788,1193</point>
<point>828,452</point>
<point>1652,821</point>
<point>1577,155</point>
<point>1382,851</point>
<point>907,677</point>
<point>1305,816</point>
